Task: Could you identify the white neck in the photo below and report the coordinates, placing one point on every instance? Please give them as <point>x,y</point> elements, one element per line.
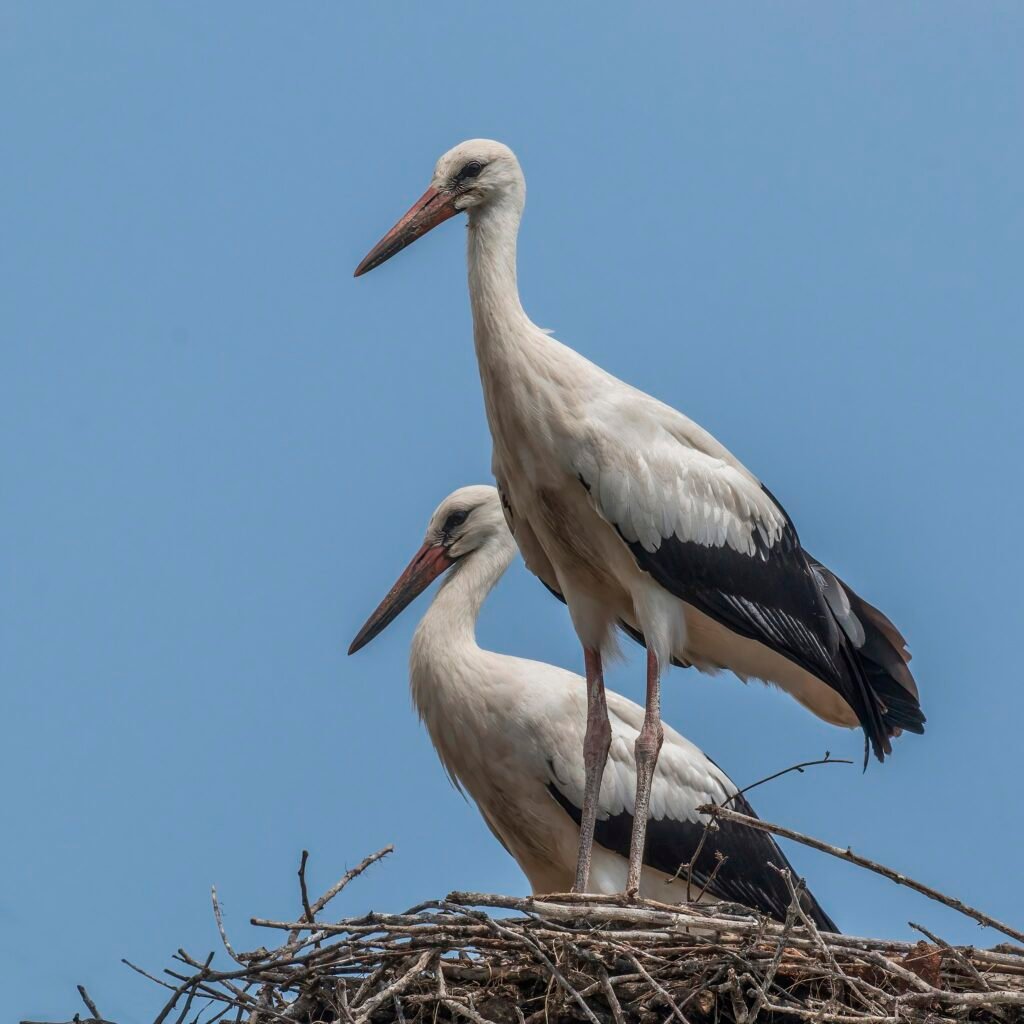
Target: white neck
<point>450,622</point>
<point>493,230</point>
<point>451,679</point>
<point>498,317</point>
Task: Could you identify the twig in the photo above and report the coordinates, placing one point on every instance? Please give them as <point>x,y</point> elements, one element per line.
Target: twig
<point>796,891</point>
<point>556,974</point>
<point>709,826</point>
<point>955,953</point>
<point>146,974</point>
<point>827,759</point>
<point>219,918</point>
<point>568,950</point>
<point>661,990</point>
<point>611,997</point>
<point>761,999</point>
<point>192,993</point>
<point>302,886</point>
<point>347,877</point>
<point>179,991</point>
<point>853,858</point>
<point>397,986</point>
<point>720,859</point>
<point>90,1005</point>
<point>465,1011</point>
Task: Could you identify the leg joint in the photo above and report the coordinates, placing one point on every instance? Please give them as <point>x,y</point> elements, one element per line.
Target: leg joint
<point>649,739</point>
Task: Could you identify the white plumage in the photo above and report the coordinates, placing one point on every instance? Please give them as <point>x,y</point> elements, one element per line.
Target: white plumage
<point>509,733</point>
<point>638,518</point>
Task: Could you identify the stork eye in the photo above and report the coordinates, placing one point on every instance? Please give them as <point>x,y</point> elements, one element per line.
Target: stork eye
<point>455,520</point>
<point>471,170</point>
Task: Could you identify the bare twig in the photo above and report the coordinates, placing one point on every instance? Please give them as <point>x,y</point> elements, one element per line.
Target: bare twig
<point>219,918</point>
<point>90,1005</point>
<point>955,953</point>
<point>571,958</point>
<point>710,823</point>
<point>709,826</point>
<point>611,998</point>
<point>720,859</point>
<point>465,1011</point>
<point>398,985</point>
<point>661,990</point>
<point>347,877</point>
<point>799,768</point>
<point>302,886</point>
<point>848,855</point>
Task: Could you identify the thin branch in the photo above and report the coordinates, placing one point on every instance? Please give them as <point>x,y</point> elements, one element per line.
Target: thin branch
<point>955,953</point>
<point>90,1005</point>
<point>827,759</point>
<point>552,957</point>
<point>399,985</point>
<point>347,877</point>
<point>302,886</point>
<point>661,990</point>
<point>880,869</point>
<point>709,826</point>
<point>720,859</point>
<point>219,918</point>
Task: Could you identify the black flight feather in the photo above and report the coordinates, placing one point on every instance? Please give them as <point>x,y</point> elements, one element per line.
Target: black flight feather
<point>744,875</point>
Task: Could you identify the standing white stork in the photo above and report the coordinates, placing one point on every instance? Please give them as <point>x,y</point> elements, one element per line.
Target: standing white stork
<point>638,517</point>
<point>504,729</point>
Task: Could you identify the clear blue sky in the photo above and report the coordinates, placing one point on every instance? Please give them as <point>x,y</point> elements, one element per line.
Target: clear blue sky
<point>800,224</point>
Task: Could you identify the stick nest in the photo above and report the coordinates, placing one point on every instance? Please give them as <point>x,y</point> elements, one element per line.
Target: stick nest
<point>560,959</point>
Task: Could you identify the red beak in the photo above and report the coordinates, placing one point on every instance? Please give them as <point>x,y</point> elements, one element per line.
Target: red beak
<point>427,564</point>
<point>431,209</point>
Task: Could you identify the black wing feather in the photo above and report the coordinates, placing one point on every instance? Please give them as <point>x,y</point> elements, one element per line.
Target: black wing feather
<point>773,596</point>
<point>744,875</point>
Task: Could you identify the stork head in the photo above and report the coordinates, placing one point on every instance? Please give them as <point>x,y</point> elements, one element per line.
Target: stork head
<point>474,175</point>
<point>466,521</point>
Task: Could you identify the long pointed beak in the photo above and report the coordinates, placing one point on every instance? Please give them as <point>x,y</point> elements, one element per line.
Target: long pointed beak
<point>427,564</point>
<point>431,209</point>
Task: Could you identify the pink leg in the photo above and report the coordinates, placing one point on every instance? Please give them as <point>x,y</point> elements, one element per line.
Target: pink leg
<point>647,748</point>
<point>595,753</point>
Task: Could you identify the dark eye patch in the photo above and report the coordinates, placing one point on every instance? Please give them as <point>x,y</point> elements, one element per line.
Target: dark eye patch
<point>455,520</point>
<point>471,170</point>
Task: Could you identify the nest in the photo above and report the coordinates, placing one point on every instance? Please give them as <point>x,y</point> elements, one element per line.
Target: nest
<point>559,959</point>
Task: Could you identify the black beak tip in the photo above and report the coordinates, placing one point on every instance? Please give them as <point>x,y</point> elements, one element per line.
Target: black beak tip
<point>374,260</point>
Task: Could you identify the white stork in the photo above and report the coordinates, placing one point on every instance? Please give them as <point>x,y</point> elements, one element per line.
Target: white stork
<point>507,731</point>
<point>638,518</point>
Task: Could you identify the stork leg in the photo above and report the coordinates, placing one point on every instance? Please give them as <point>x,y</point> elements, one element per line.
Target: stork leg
<point>646,749</point>
<point>596,742</point>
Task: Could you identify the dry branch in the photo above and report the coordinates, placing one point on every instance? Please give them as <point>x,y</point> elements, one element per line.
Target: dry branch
<point>854,858</point>
<point>567,958</point>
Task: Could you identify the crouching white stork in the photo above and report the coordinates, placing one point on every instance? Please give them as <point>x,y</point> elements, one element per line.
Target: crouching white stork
<point>508,732</point>
<point>638,517</point>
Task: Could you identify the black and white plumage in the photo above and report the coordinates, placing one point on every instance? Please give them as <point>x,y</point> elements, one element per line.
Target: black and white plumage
<point>787,601</point>
<point>509,732</point>
<point>639,518</point>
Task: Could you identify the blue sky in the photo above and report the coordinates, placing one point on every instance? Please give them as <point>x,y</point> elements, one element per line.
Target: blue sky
<point>801,224</point>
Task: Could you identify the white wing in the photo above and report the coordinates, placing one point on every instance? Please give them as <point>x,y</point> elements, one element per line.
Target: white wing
<point>684,777</point>
<point>735,863</point>
<point>654,474</point>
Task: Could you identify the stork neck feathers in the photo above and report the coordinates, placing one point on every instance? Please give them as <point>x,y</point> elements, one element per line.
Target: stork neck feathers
<point>450,622</point>
<point>493,288</point>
